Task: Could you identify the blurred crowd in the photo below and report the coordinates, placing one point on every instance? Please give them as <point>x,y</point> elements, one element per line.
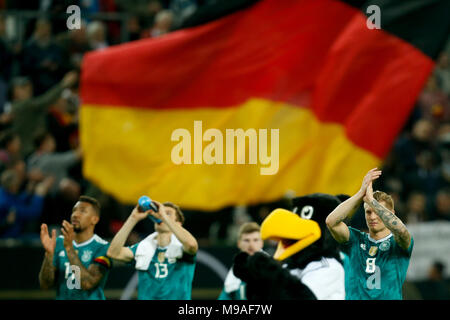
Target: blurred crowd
<point>40,59</point>
<point>417,170</point>
<point>40,154</point>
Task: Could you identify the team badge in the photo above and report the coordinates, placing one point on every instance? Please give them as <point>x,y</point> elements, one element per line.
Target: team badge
<point>373,250</point>
<point>87,255</point>
<point>161,257</point>
<point>385,245</point>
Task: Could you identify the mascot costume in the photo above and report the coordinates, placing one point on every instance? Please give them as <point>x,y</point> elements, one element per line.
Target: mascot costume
<point>306,264</point>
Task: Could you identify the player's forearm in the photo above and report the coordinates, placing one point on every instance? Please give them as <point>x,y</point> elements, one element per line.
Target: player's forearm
<point>47,272</point>
<point>342,211</point>
<point>393,223</point>
<point>190,244</point>
<point>120,238</point>
<point>87,280</point>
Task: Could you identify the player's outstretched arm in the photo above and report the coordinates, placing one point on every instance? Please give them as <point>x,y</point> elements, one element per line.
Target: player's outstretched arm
<point>89,277</point>
<point>116,249</point>
<point>390,220</point>
<point>48,270</point>
<point>335,220</point>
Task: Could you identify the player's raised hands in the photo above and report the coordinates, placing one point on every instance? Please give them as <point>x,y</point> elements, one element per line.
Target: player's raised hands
<point>369,194</point>
<point>139,215</point>
<point>373,174</point>
<point>161,213</point>
<point>49,242</point>
<point>68,233</point>
<point>70,78</point>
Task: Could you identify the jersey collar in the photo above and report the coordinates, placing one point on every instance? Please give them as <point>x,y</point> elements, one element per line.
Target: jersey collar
<point>380,240</point>
<point>83,243</point>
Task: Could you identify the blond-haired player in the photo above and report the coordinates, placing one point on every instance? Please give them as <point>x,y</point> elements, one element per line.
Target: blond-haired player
<point>378,260</point>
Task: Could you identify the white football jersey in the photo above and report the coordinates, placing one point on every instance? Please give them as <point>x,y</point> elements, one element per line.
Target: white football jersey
<point>325,278</point>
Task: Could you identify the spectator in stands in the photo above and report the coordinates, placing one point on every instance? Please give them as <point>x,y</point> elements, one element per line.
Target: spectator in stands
<point>7,222</point>
<point>240,217</point>
<point>409,145</point>
<point>55,164</point>
<point>43,60</point>
<point>62,121</point>
<point>416,208</point>
<point>436,271</point>
<point>442,203</point>
<point>19,208</point>
<point>74,44</point>
<point>28,179</point>
<point>90,7</point>
<point>419,159</point>
<point>433,102</point>
<point>57,9</point>
<point>19,167</point>
<point>9,148</point>
<point>163,23</point>
<point>29,112</point>
<point>96,33</point>
<point>143,12</point>
<point>442,72</point>
<point>66,188</point>
<point>437,289</point>
<point>113,26</point>
<point>426,176</point>
<point>182,9</point>
<point>6,57</point>
<point>133,28</point>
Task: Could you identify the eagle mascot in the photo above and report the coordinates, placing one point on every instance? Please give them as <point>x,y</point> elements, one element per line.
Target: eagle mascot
<point>306,264</point>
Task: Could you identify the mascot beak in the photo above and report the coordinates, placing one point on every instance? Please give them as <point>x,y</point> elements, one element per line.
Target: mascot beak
<point>292,232</point>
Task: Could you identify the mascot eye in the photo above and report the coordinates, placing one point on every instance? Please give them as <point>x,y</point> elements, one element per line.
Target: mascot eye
<point>307,212</point>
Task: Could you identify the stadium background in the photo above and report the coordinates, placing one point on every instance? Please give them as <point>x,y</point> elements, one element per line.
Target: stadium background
<point>35,43</point>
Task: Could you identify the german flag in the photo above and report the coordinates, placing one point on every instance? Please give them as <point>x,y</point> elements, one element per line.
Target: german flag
<point>318,84</point>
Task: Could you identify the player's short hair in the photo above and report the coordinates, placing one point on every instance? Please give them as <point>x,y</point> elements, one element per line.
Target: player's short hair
<point>178,212</point>
<point>248,227</point>
<point>383,196</point>
<point>93,202</point>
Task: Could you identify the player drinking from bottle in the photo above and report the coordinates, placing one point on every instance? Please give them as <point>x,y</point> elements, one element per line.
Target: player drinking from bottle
<point>378,261</point>
<point>165,260</point>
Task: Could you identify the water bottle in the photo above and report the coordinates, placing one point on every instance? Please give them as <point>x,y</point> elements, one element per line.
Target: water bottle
<point>145,203</point>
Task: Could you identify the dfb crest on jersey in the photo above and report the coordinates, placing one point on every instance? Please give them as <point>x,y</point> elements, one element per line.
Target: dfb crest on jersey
<point>385,245</point>
<point>161,257</point>
<point>86,256</point>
